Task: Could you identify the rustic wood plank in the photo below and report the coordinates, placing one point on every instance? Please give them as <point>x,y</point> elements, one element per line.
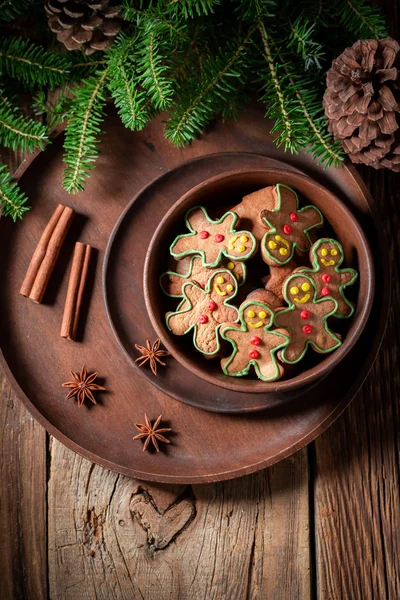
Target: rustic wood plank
<point>113,537</point>
<point>357,509</point>
<point>23,565</point>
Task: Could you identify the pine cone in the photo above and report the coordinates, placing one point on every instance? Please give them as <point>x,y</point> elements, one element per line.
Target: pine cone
<point>89,25</point>
<point>362,102</point>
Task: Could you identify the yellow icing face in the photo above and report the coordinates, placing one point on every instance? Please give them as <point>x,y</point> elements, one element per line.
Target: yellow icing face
<point>299,290</point>
<point>223,285</point>
<point>278,246</point>
<point>328,254</point>
<point>241,243</point>
<point>255,316</point>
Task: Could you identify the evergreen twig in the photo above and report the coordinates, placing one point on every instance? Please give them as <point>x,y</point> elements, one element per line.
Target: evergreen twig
<point>13,202</point>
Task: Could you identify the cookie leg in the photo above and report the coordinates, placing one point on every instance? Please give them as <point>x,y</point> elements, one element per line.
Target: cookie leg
<point>328,342</point>
<point>235,366</point>
<point>292,352</point>
<point>206,339</point>
<point>269,370</point>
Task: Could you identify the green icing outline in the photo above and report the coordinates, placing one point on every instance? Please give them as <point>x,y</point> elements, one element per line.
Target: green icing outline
<point>317,268</point>
<point>189,274</point>
<point>252,361</point>
<point>221,252</point>
<point>293,306</point>
<point>206,291</point>
<point>274,230</point>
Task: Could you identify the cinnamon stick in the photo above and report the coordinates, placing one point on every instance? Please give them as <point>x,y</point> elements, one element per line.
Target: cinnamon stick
<point>45,256</point>
<point>75,292</point>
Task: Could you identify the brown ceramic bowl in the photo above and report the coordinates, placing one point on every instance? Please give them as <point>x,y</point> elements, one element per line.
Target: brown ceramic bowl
<point>218,194</point>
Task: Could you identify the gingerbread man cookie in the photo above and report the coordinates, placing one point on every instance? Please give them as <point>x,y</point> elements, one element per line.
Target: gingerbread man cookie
<point>288,227</point>
<point>254,344</point>
<point>213,240</point>
<point>326,256</point>
<point>305,319</point>
<point>192,269</point>
<point>203,311</point>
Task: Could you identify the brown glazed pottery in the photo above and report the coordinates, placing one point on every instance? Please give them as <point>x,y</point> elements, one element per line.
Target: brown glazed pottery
<point>218,194</point>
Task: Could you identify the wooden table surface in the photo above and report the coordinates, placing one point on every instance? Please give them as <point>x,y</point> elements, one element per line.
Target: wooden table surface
<point>321,524</point>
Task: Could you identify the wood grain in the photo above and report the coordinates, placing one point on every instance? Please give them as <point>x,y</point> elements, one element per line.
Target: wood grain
<point>357,460</point>
<point>23,565</point>
<point>114,537</point>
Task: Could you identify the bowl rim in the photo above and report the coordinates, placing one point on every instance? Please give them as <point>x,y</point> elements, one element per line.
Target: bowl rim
<point>306,377</point>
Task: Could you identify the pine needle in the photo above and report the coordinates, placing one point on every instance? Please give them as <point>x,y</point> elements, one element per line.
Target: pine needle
<point>82,131</point>
<point>32,65</point>
<point>12,200</point>
<point>17,131</point>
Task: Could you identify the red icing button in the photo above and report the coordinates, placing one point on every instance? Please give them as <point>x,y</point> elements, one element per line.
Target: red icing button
<point>293,217</point>
<point>307,329</point>
<point>325,291</point>
<point>304,314</point>
<point>212,305</point>
<point>204,235</point>
<point>254,354</point>
<point>255,340</point>
<point>287,229</point>
<point>203,319</point>
<point>326,278</point>
<point>219,238</point>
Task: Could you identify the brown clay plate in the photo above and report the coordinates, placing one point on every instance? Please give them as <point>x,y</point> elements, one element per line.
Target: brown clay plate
<point>207,446</point>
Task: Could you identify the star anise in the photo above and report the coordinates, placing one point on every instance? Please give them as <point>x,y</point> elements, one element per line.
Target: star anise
<point>151,433</point>
<point>82,386</point>
<point>152,354</point>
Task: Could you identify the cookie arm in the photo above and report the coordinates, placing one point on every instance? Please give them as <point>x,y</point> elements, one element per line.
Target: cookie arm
<point>347,277</point>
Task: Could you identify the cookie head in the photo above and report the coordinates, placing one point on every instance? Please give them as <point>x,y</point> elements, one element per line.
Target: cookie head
<point>278,246</point>
<point>241,244</point>
<point>222,285</point>
<point>256,315</point>
<point>328,253</point>
<point>299,290</point>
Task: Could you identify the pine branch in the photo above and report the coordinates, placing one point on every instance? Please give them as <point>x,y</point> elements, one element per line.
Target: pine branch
<point>82,131</point>
<point>360,18</point>
<point>301,41</point>
<point>55,114</point>
<point>152,67</point>
<point>12,200</point>
<point>32,65</point>
<point>221,79</point>
<point>17,131</point>
<point>134,108</point>
<point>155,17</point>
<point>10,9</point>
<point>279,100</point>
<point>190,8</point>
